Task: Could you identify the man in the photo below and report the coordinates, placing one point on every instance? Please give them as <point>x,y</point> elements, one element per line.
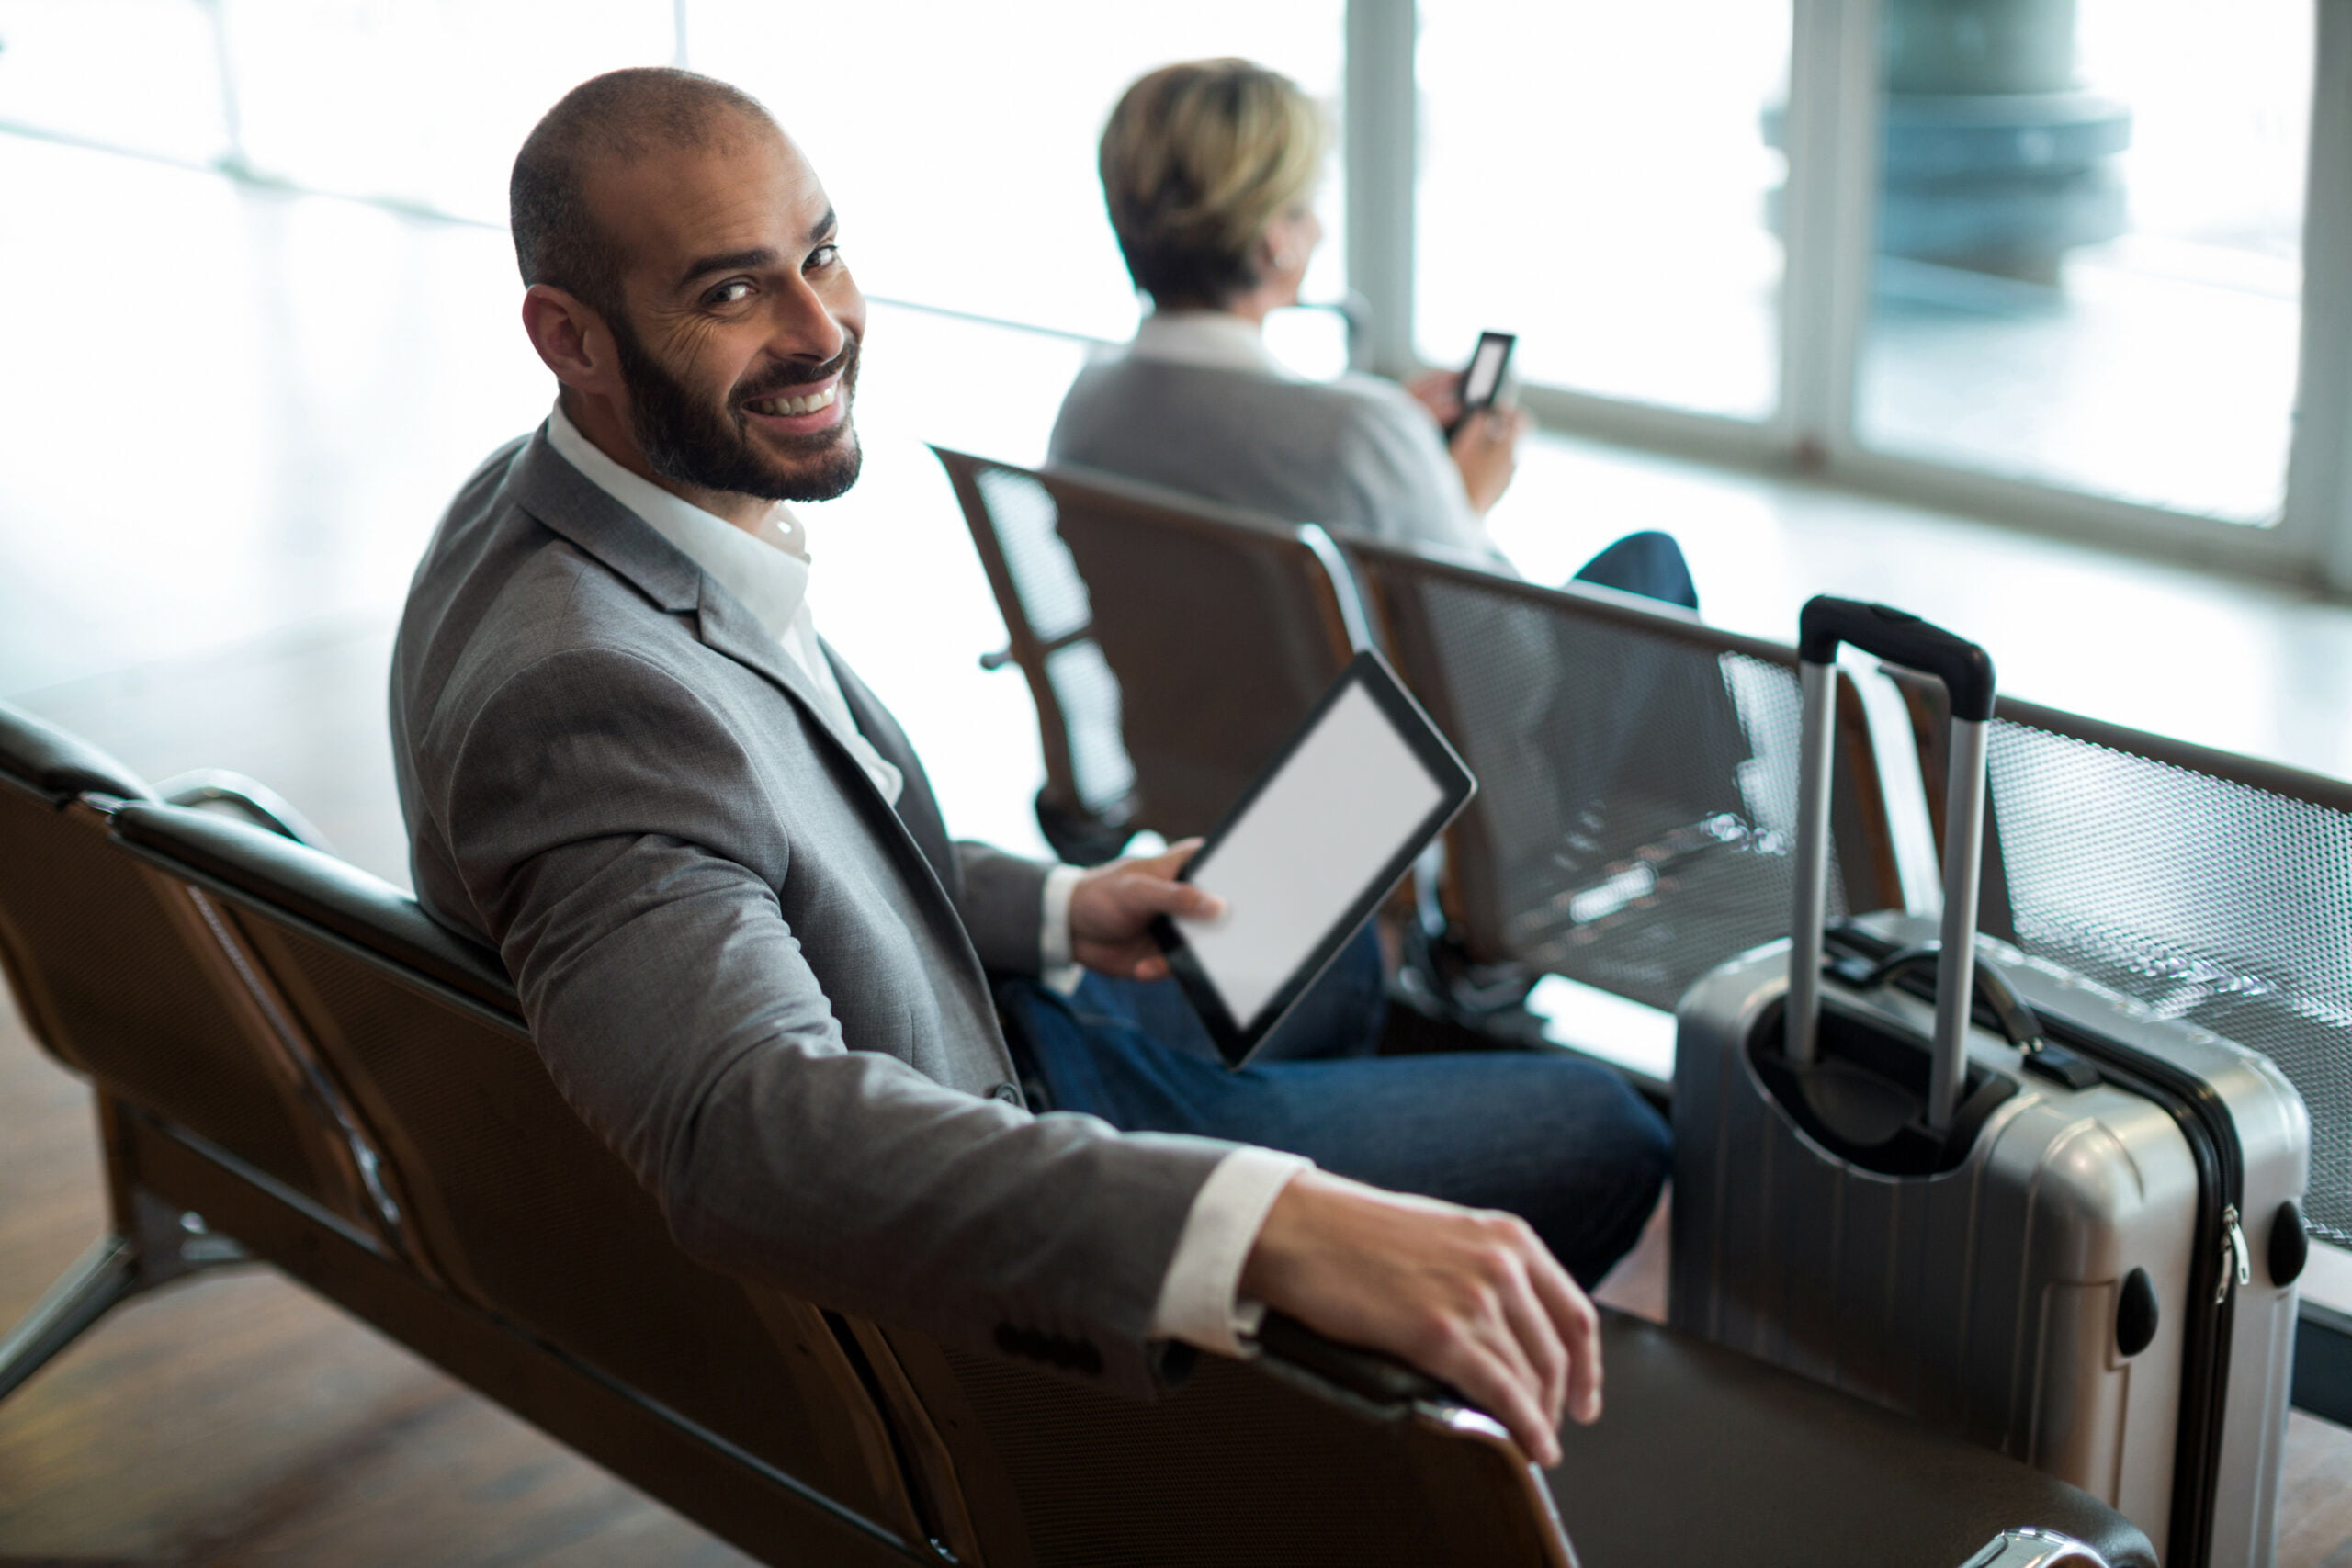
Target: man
<point>747,950</point>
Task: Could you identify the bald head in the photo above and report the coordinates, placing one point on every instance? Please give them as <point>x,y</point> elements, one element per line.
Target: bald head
<point>607,120</point>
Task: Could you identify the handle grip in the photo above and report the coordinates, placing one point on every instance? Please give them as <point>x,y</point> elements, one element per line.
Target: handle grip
<point>2010,1014</point>
<point>1966,672</point>
<point>1901,637</point>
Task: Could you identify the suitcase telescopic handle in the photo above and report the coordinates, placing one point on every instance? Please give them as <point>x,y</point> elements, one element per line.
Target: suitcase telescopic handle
<point>1966,672</point>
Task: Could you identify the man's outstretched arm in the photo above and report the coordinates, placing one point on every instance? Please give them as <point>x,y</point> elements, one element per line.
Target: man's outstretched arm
<point>1471,1297</point>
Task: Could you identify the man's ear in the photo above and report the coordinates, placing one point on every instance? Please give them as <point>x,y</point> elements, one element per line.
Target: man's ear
<point>572,339</point>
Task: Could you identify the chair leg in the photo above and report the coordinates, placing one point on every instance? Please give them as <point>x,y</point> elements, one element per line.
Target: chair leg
<point>166,1245</point>
<point>107,1274</point>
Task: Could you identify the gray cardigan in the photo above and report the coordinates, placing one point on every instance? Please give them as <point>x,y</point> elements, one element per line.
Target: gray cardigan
<point>1358,454</point>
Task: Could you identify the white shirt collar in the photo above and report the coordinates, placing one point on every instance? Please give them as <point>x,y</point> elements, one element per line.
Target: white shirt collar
<point>1216,340</point>
<point>767,571</point>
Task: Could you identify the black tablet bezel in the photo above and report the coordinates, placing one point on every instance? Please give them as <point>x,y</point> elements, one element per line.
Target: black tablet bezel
<point>1455,787</point>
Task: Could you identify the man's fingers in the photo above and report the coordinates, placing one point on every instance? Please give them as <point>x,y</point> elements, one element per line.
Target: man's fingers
<point>1472,1367</point>
<point>1530,1322</point>
<point>1579,1328</point>
<point>1150,887</point>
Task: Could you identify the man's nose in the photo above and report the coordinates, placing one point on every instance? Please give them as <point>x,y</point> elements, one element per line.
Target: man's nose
<point>803,326</point>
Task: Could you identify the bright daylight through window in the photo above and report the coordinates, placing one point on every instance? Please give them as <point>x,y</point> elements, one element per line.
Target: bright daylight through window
<point>2091,228</point>
<point>1595,178</point>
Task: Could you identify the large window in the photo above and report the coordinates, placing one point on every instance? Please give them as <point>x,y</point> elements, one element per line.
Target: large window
<point>137,74</point>
<point>1596,177</point>
<point>2045,258</point>
<point>2090,246</point>
<point>959,140</point>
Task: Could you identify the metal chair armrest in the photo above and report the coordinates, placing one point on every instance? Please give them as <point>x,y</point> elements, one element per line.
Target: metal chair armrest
<point>258,802</point>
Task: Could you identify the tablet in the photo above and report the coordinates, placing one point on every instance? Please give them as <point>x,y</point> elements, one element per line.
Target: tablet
<point>1311,851</point>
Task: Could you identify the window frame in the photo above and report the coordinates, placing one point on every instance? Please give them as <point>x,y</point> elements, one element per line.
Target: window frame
<point>1830,225</point>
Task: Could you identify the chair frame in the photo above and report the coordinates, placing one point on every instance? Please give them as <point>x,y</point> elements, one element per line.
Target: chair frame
<point>1866,854</point>
<point>1342,618</point>
<point>2322,1378</point>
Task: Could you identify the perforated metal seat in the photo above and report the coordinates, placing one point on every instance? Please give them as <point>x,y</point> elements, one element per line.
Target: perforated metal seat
<point>124,978</point>
<point>1703,1458</point>
<point>2214,889</point>
<point>512,1201</point>
<point>1321,1456</point>
<point>1637,769</point>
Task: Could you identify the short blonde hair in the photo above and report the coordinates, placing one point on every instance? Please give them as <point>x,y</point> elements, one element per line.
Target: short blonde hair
<point>1197,160</point>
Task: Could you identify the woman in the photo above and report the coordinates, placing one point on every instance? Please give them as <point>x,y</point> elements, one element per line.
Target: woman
<point>1209,171</point>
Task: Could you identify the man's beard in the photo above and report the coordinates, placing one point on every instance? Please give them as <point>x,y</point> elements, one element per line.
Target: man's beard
<point>689,442</point>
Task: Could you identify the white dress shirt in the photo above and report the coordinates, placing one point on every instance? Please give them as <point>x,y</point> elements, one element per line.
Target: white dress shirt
<point>1214,339</point>
<point>1200,1300</point>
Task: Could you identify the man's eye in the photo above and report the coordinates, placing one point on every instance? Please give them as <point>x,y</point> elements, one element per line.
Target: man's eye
<point>820,258</point>
<point>728,293</point>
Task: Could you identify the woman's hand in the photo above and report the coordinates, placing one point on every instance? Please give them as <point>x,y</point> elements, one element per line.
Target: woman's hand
<point>1111,908</point>
<point>1487,451</point>
<point>1439,391</point>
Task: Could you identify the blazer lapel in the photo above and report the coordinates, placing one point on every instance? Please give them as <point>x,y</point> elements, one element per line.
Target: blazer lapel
<point>917,806</point>
<point>566,501</point>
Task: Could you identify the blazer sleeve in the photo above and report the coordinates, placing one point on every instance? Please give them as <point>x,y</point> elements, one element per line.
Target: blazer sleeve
<point>1002,900</point>
<point>587,803</point>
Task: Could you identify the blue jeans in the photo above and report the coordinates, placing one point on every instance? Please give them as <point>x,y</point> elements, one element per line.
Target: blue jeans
<point>1648,563</point>
<point>1564,1143</point>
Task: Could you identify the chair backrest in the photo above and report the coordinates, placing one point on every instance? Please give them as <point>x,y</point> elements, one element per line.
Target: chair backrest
<point>515,1203</point>
<point>1171,645</point>
<point>1261,1465</point>
<point>1222,627</point>
<point>2214,887</point>
<point>1087,801</point>
<point>1637,769</point>
<point>133,981</point>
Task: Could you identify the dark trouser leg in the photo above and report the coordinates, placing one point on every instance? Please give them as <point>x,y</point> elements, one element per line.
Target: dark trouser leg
<point>1648,563</point>
<point>1562,1143</point>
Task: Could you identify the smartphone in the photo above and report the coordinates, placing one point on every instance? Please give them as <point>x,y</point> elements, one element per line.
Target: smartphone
<point>1484,378</point>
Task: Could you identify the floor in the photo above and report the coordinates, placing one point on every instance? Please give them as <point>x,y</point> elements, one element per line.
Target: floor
<point>230,419</point>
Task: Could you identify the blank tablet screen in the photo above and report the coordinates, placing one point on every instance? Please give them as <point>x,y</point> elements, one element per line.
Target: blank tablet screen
<point>1312,849</point>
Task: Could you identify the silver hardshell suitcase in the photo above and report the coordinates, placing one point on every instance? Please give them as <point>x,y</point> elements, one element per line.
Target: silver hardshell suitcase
<point>2047,1219</point>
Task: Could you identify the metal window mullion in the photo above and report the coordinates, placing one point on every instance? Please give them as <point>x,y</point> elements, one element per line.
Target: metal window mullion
<point>2317,521</point>
<point>1828,221</point>
<point>1381,134</point>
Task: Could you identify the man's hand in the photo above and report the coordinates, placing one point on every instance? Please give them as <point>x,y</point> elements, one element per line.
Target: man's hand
<point>1487,451</point>
<point>1467,1295</point>
<point>1111,908</point>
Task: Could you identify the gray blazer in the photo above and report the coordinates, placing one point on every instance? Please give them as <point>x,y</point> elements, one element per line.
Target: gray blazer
<point>757,981</point>
<point>1357,454</point>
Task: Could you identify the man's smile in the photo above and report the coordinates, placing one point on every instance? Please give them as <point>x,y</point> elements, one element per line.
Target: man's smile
<point>819,408</point>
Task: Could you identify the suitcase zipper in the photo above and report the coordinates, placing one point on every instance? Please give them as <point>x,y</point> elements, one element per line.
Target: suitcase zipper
<point>2234,1249</point>
<point>2213,1139</point>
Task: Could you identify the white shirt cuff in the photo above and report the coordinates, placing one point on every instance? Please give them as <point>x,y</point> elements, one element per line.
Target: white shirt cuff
<point>1054,967</point>
<point>1200,1301</point>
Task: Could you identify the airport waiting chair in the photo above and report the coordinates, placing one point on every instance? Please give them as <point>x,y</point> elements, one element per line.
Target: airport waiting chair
<point>906,1451</point>
<point>1171,645</point>
<point>1637,771</point>
<point>520,1208</point>
<point>2215,888</point>
<point>129,980</point>
<point>1704,1457</point>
